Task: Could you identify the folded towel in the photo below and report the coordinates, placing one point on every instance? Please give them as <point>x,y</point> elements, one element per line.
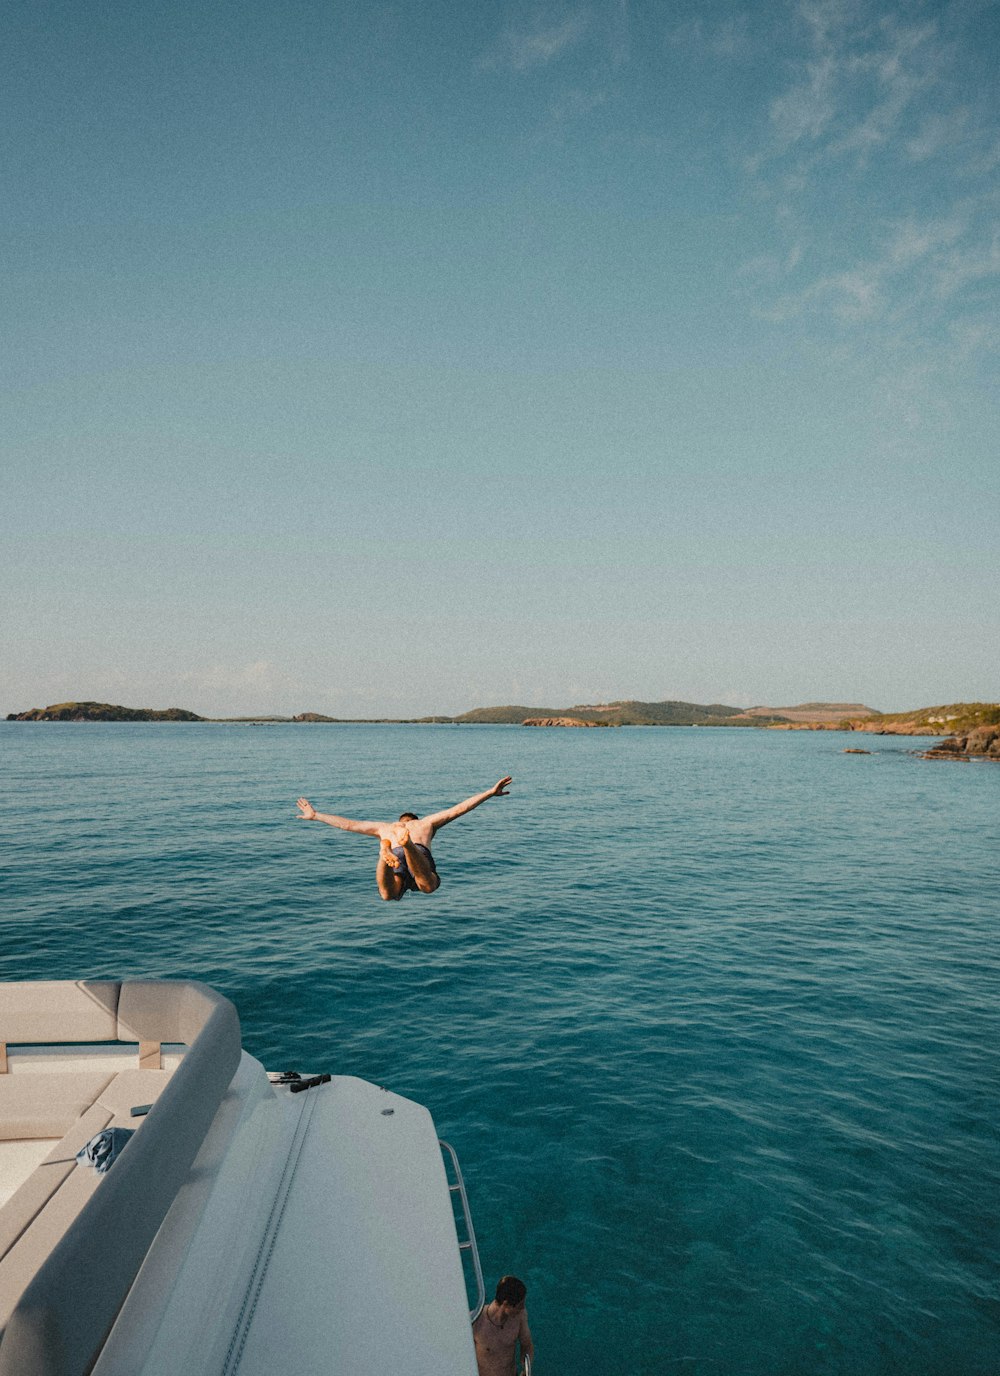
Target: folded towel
<point>102,1151</point>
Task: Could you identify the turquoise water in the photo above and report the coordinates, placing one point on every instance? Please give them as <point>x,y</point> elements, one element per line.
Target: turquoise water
<point>711,1016</point>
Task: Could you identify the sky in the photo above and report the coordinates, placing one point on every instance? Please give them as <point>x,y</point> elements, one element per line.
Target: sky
<point>382,359</point>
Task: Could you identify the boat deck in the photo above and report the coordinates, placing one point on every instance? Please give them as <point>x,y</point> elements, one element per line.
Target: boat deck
<point>327,1232</point>
<point>243,1229</point>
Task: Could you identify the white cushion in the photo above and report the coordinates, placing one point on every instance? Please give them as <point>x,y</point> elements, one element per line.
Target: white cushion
<point>47,1105</point>
<point>59,1011</point>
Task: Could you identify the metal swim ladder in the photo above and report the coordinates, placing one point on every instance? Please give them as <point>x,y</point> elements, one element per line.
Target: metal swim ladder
<point>469,1245</point>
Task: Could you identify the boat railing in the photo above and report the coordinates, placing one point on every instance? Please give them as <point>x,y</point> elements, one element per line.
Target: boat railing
<point>467,1245</point>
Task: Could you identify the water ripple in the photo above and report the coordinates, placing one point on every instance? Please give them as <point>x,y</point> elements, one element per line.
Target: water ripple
<point>712,1018</point>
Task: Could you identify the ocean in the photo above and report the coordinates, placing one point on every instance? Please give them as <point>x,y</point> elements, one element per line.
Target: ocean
<point>711,1016</point>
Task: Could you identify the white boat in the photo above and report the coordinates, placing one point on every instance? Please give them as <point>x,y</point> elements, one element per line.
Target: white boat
<point>249,1227</point>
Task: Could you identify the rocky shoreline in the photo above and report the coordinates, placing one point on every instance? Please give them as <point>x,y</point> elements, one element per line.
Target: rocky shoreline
<point>983,742</point>
<point>562,721</point>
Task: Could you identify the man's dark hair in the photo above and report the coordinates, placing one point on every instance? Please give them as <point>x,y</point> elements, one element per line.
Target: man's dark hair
<point>408,817</point>
<point>510,1290</point>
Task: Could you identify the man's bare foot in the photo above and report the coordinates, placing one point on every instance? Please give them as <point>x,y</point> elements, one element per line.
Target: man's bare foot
<point>391,860</point>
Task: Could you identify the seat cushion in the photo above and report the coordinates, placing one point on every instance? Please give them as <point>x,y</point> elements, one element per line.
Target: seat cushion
<point>59,1011</point>
<point>28,1201</point>
<point>47,1105</point>
<point>47,1229</point>
<point>129,1088</point>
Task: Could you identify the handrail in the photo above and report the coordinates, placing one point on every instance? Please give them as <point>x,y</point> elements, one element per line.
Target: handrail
<point>469,1245</point>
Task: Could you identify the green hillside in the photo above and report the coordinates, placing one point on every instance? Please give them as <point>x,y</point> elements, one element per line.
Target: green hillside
<point>509,716</point>
<point>628,713</point>
<point>942,721</point>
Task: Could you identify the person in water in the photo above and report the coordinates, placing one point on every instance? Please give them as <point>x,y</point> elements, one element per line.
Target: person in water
<point>405,862</point>
<point>500,1326</point>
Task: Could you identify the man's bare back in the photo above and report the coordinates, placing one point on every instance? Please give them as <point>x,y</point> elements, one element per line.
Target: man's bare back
<point>405,862</point>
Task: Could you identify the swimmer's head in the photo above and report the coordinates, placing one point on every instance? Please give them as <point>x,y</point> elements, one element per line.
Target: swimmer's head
<point>511,1291</point>
<point>408,817</point>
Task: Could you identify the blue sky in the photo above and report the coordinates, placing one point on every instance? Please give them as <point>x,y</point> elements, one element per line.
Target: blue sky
<point>394,359</point>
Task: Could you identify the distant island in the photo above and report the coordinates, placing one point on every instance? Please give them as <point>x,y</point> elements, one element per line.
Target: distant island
<point>101,711</point>
<point>971,728</point>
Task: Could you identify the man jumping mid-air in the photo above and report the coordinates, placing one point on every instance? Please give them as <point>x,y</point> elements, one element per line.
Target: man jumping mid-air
<point>404,861</point>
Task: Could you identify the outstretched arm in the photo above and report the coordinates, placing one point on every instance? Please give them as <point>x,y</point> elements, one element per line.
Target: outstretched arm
<point>307,813</point>
<point>440,819</point>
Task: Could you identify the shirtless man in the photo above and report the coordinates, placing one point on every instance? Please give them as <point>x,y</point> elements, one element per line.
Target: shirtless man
<point>404,861</point>
<point>500,1326</point>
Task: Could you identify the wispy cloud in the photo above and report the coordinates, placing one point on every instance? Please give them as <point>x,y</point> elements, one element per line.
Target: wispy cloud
<point>879,161</point>
<point>910,241</point>
<point>915,261</point>
<point>522,49</point>
<point>853,295</point>
<point>859,77</point>
<point>806,109</point>
<point>971,265</point>
<point>937,132</point>
<point>971,338</point>
<point>582,52</point>
<point>723,38</point>
<point>896,75</point>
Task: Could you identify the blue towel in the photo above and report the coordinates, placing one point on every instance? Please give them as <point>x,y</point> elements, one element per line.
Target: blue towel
<point>102,1151</point>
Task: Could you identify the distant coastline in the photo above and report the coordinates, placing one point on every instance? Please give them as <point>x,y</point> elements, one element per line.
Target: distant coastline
<point>811,715</point>
<point>962,723</point>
